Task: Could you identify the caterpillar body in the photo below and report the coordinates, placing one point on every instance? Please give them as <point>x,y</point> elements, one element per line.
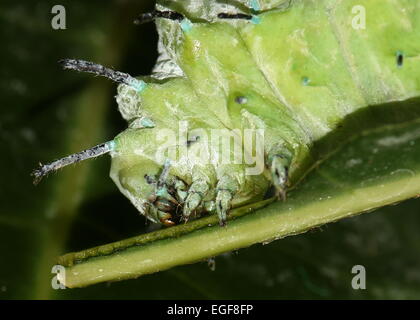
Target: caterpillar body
<point>262,79</point>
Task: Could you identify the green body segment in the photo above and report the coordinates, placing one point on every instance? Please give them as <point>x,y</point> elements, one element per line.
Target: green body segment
<point>295,73</point>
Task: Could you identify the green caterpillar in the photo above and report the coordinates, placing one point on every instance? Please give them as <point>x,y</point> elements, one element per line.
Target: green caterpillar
<point>242,90</point>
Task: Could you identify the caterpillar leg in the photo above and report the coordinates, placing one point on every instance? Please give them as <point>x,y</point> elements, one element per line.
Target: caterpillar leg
<point>163,185</point>
<point>162,202</point>
<point>158,215</point>
<point>195,195</point>
<point>226,188</point>
<point>279,169</point>
<point>181,189</point>
<point>279,173</point>
<point>202,182</point>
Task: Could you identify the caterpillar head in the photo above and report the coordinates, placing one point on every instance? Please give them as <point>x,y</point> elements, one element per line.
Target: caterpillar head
<point>175,161</point>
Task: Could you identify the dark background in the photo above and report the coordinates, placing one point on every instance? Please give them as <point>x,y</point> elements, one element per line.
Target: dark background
<point>46,113</point>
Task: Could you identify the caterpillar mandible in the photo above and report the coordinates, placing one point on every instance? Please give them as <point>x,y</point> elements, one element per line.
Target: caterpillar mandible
<point>262,79</point>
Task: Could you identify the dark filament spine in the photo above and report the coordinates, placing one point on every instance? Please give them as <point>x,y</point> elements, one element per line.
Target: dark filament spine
<point>150,16</point>
<point>91,67</point>
<point>243,16</point>
<point>96,151</point>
